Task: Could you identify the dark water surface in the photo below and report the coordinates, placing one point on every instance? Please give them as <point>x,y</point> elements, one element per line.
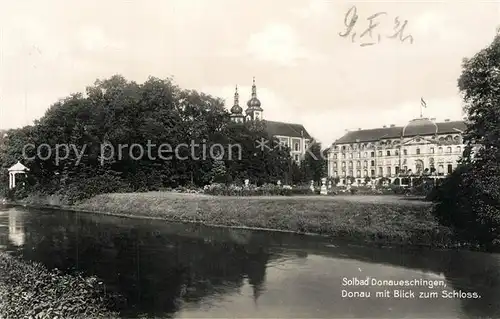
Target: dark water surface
<point>188,271</point>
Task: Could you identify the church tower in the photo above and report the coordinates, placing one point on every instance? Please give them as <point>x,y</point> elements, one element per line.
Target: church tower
<point>253,111</point>
<point>237,110</point>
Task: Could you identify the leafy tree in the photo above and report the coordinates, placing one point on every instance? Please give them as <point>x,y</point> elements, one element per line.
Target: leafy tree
<point>219,172</point>
<point>116,119</point>
<point>314,165</point>
<point>469,200</point>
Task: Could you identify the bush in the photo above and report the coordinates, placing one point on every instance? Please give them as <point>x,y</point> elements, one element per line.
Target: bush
<point>29,290</point>
<point>219,189</point>
<point>85,188</point>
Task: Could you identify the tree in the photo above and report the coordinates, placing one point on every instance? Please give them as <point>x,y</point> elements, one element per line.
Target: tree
<point>218,172</point>
<point>469,199</point>
<point>314,165</point>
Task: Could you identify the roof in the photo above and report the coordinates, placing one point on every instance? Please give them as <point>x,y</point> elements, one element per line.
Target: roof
<point>422,126</point>
<point>286,129</point>
<point>18,167</point>
<point>396,132</point>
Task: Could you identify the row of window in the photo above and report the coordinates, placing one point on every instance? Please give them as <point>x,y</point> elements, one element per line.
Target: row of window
<point>365,163</point>
<point>396,153</point>
<point>448,138</point>
<point>296,144</point>
<point>388,171</point>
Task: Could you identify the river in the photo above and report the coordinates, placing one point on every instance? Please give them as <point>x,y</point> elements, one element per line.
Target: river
<point>171,270</point>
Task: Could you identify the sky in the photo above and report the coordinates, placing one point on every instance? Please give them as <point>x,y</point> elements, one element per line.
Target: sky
<point>305,71</point>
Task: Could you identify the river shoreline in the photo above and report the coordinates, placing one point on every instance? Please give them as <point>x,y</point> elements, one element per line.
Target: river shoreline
<point>382,220</point>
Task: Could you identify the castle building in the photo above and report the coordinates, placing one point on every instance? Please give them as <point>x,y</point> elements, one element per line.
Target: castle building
<point>292,135</point>
<point>422,147</point>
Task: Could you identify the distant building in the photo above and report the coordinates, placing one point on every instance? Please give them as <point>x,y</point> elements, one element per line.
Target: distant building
<point>294,136</point>
<point>421,147</point>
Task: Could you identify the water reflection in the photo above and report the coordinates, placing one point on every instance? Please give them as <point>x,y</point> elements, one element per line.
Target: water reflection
<point>187,271</point>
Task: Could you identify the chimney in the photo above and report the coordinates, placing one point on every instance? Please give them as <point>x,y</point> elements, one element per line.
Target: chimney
<point>385,126</point>
<point>447,120</point>
<point>433,118</point>
<point>393,125</point>
<point>359,128</point>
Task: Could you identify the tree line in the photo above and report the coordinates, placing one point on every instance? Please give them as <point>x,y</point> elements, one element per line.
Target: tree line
<point>117,112</point>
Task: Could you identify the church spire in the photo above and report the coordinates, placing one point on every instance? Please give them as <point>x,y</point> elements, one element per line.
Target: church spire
<point>254,89</point>
<point>237,110</point>
<point>236,96</point>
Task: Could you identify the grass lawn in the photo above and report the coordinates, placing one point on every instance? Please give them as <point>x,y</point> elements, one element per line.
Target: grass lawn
<point>386,219</point>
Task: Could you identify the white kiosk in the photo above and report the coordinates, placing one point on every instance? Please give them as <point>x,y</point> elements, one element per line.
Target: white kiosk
<point>15,169</point>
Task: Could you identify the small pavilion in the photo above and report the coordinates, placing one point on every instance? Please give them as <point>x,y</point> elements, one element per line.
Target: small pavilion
<point>15,169</point>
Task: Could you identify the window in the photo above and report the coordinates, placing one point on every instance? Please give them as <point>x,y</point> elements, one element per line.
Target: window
<point>366,154</point>
<point>373,172</point>
<point>350,172</point>
<point>343,164</point>
<point>350,155</point>
<point>335,156</point>
<point>450,168</point>
<point>372,163</point>
<point>335,174</point>
<point>335,164</point>
<point>396,169</point>
<point>418,151</point>
<point>397,153</point>
<point>358,173</point>
<point>380,171</point>
<point>343,155</point>
<point>440,150</point>
<point>296,157</point>
<point>358,164</point>
<point>365,163</point>
<point>431,150</point>
<point>350,164</point>
<point>440,169</point>
<point>365,173</point>
<point>405,168</point>
<point>379,153</point>
<point>372,154</point>
<point>344,173</point>
<point>459,150</point>
<point>388,153</point>
<point>296,146</point>
<point>405,152</point>
<point>388,170</point>
<point>448,150</point>
<point>358,155</point>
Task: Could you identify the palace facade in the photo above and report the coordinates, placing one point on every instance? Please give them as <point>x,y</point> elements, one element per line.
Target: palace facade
<point>292,135</point>
<point>421,147</point>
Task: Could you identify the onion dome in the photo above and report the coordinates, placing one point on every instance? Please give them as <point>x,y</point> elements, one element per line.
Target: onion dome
<point>236,109</point>
<point>254,103</point>
<point>420,126</point>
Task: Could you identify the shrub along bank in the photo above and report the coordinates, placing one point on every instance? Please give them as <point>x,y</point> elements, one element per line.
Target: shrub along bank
<point>383,219</point>
<point>29,290</point>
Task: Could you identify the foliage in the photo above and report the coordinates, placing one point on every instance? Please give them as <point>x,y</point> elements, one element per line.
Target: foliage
<point>469,200</point>
<point>29,290</point>
<point>100,127</point>
<point>314,165</point>
<point>252,190</point>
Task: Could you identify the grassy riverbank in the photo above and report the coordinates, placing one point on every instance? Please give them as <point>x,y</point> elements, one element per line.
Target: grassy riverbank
<point>29,290</point>
<point>383,219</point>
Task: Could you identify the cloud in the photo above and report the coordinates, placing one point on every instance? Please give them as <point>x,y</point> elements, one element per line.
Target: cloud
<point>313,9</point>
<point>94,39</point>
<point>278,43</point>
